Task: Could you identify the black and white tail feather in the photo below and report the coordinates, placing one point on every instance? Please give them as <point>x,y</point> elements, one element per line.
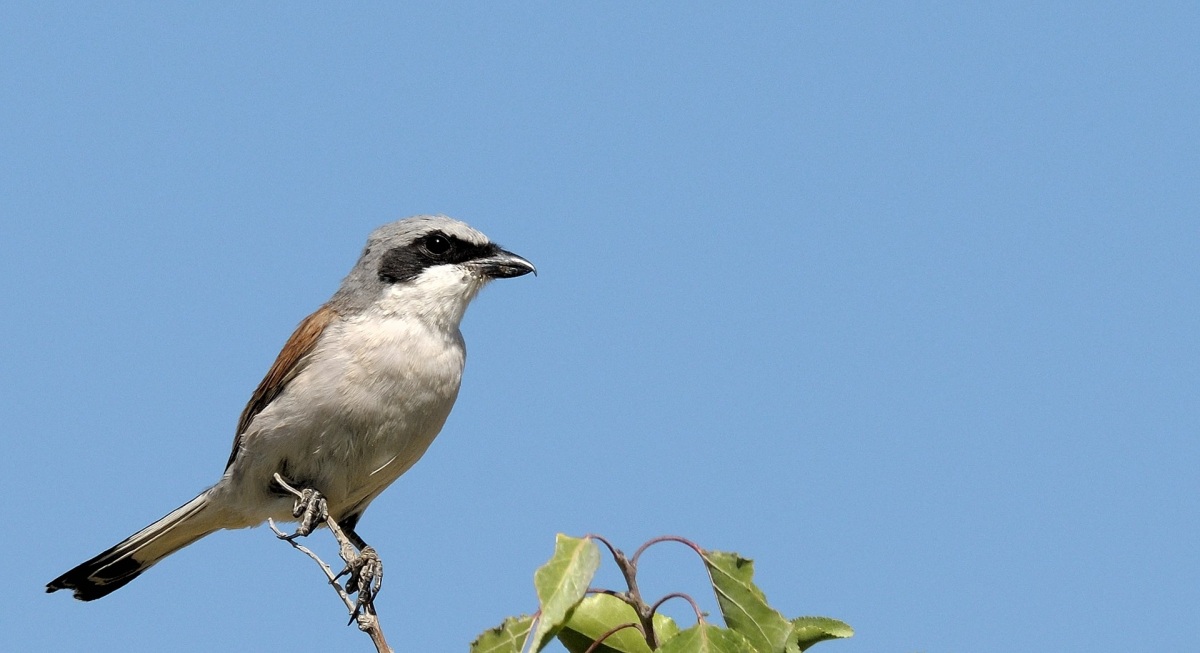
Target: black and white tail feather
<point>112,569</point>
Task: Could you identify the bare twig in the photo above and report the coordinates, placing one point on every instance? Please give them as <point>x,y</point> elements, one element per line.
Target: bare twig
<point>324,567</point>
<point>602,590</point>
<point>679,595</point>
<point>368,621</point>
<point>667,538</point>
<point>611,549</point>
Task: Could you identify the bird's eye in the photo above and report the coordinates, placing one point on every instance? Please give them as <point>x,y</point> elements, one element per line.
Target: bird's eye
<point>437,244</point>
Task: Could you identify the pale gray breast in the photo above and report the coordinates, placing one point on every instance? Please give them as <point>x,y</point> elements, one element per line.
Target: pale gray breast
<point>382,389</point>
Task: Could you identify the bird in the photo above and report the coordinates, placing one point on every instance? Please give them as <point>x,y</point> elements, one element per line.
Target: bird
<point>355,397</point>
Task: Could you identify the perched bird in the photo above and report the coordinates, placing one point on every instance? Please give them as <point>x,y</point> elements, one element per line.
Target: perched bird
<point>354,399</point>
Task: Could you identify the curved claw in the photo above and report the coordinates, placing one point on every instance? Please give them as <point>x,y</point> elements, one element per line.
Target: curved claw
<point>366,578</point>
<point>310,510</point>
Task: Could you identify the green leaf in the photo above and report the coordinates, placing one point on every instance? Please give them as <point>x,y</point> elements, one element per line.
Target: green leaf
<point>664,628</point>
<point>807,631</point>
<point>707,638</point>
<point>508,637</point>
<point>743,605</point>
<point>562,582</point>
<point>600,613</point>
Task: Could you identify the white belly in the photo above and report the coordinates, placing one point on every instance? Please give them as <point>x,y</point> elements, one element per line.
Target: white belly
<point>375,392</point>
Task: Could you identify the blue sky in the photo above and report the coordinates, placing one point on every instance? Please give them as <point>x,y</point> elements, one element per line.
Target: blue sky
<point>898,300</point>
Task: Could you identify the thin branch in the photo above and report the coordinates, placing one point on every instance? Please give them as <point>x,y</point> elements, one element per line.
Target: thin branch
<point>324,567</point>
<point>634,596</point>
<point>667,538</point>
<point>610,633</point>
<point>679,595</point>
<point>602,590</point>
<point>368,621</point>
<point>611,549</point>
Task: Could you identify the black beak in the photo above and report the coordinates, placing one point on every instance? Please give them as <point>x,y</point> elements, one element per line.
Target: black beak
<point>502,264</point>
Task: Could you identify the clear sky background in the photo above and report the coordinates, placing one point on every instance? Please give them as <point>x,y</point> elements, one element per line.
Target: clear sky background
<point>898,300</point>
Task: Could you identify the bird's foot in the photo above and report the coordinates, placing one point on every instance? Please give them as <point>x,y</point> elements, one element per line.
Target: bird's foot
<point>364,571</point>
<point>310,510</point>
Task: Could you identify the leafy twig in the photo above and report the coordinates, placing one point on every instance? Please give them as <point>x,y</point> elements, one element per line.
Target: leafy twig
<point>633,597</point>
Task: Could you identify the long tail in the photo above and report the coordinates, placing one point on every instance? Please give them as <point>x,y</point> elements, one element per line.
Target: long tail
<point>112,569</point>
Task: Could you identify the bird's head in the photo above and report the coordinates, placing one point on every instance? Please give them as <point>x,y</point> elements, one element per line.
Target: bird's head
<point>425,266</point>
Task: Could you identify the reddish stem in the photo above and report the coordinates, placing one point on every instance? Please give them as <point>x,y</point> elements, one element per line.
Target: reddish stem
<point>679,595</point>
<point>610,633</point>
<point>667,538</point>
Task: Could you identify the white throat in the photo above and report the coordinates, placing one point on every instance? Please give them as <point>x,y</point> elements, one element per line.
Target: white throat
<point>438,296</point>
